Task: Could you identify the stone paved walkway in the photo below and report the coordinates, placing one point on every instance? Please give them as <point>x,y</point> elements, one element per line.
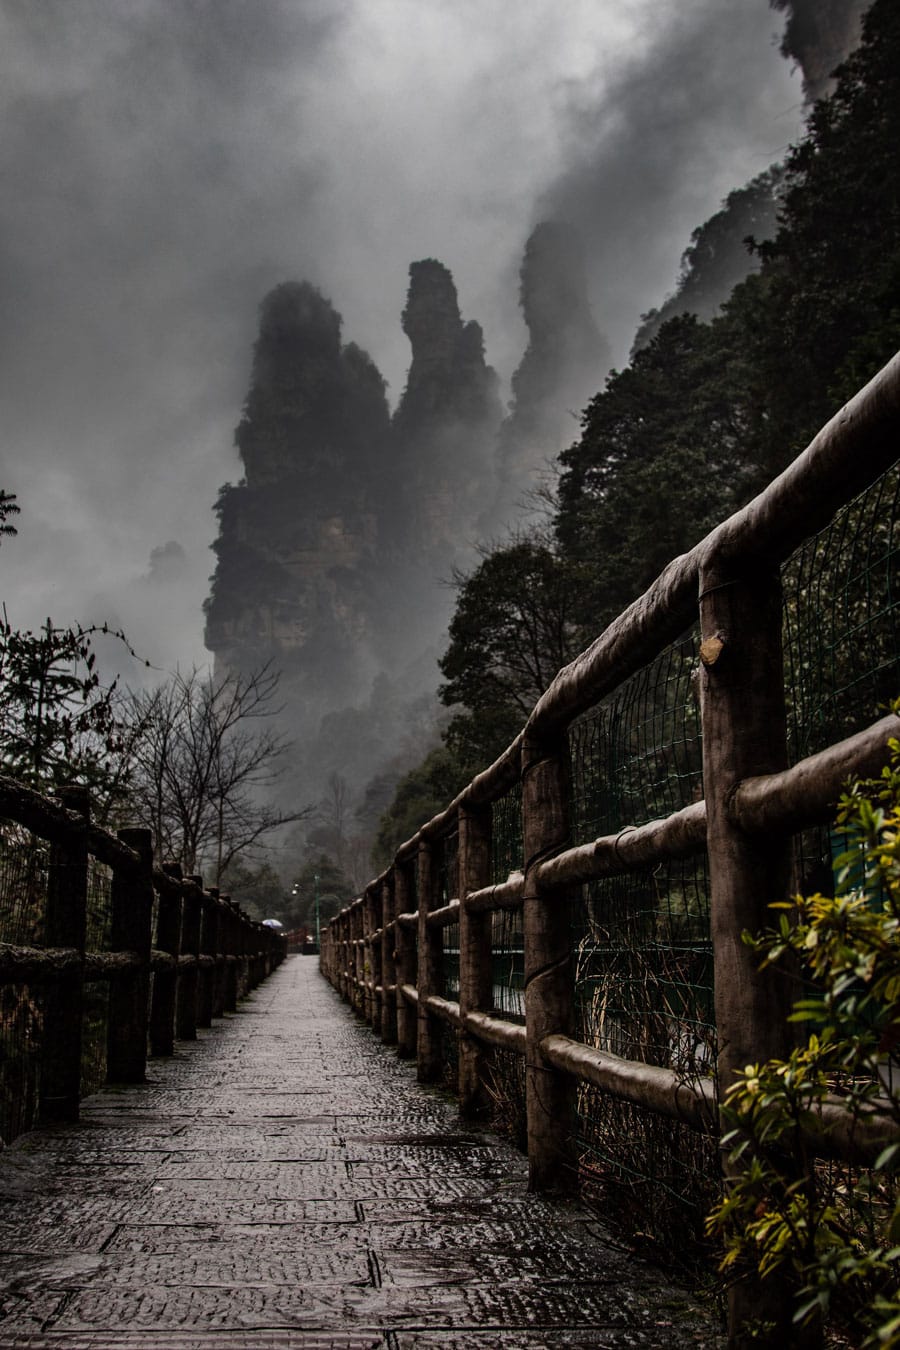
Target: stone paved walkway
<point>284,1183</point>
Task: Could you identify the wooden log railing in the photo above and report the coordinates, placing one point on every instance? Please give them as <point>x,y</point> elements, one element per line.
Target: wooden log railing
<point>165,974</point>
<point>753,801</point>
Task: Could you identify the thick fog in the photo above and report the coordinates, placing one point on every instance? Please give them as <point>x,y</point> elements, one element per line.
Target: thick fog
<point>165,162</point>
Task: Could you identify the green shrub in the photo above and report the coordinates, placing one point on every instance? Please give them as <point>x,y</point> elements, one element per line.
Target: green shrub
<point>834,1231</point>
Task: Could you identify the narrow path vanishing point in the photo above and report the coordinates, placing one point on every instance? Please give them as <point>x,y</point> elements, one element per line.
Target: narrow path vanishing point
<point>283,1182</point>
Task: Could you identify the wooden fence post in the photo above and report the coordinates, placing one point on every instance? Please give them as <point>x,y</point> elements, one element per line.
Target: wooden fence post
<point>429,1066</point>
<point>406,966</point>
<point>189,977</point>
<point>209,923</point>
<point>744,734</point>
<point>65,926</point>
<point>475,959</point>
<point>359,960</point>
<point>220,968</point>
<point>549,1093</point>
<point>129,994</point>
<point>388,964</point>
<point>168,939</point>
<point>373,918</point>
<point>232,938</point>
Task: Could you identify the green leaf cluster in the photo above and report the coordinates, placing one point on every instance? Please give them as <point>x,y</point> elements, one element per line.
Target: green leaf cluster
<point>782,1212</point>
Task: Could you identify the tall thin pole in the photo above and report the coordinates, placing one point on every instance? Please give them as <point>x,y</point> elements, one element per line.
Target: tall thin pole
<point>318,921</point>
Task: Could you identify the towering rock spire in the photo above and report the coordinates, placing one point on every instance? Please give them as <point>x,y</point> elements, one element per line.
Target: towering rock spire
<point>447,419</point>
<point>297,536</point>
<point>564,364</point>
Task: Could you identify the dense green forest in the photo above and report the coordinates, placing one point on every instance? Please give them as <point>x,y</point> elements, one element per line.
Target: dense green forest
<point>706,412</point>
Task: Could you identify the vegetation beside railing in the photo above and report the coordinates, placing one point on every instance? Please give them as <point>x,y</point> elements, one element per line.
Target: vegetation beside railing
<point>579,907</point>
<point>103,956</point>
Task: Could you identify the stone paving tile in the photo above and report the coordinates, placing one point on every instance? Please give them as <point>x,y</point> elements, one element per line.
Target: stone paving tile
<point>283,1184</point>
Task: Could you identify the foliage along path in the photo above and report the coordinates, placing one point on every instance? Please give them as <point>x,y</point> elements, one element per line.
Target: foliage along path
<point>283,1182</point>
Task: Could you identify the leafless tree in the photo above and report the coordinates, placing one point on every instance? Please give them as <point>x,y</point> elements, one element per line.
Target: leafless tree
<point>203,765</point>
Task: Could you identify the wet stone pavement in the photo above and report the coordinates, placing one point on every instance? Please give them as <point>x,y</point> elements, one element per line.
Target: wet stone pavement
<point>283,1182</point>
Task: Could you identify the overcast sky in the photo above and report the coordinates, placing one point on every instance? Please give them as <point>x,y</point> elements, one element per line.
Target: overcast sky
<point>164,162</point>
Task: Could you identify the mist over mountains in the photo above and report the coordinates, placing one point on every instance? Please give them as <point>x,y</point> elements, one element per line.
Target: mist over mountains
<point>335,550</point>
<point>164,175</point>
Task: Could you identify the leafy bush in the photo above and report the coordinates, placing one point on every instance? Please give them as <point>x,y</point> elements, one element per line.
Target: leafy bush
<point>833,1232</point>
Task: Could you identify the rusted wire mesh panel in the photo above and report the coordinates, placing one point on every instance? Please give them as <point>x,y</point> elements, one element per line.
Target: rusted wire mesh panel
<point>506,835</point>
<point>653,1178</point>
<point>21,1025</point>
<point>637,756</point>
<point>24,861</point>
<point>506,1086</point>
<point>96,992</point>
<point>842,621</point>
<point>508,963</point>
<point>99,906</point>
<point>644,967</point>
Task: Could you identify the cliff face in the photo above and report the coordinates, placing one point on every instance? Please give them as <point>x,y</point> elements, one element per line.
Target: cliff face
<point>298,535</point>
<point>564,364</point>
<point>446,421</point>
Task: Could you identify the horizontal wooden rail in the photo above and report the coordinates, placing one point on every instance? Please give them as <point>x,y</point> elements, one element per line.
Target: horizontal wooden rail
<point>807,793</point>
<point>496,1031</point>
<point>444,1008</point>
<point>633,849</point>
<point>445,916</point>
<point>661,1090</point>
